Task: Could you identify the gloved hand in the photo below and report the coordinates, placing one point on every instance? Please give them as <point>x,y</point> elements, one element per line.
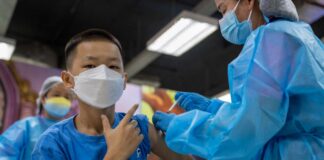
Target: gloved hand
<point>162,120</point>
<point>190,101</point>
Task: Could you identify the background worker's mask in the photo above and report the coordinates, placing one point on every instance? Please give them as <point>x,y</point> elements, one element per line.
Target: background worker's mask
<point>57,106</point>
<point>99,87</point>
<point>234,31</point>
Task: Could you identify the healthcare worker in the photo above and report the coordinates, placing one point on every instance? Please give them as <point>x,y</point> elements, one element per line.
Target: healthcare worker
<point>276,85</point>
<point>53,103</point>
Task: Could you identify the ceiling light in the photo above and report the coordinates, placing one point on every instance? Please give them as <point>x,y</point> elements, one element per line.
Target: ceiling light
<point>7,47</point>
<point>182,33</point>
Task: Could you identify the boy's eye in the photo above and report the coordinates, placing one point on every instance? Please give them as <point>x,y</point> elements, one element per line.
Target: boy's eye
<point>89,66</point>
<point>114,67</point>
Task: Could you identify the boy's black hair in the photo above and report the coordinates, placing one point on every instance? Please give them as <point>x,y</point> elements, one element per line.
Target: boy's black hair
<point>87,35</point>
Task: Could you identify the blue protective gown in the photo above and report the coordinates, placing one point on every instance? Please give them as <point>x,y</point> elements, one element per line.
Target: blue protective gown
<point>18,141</point>
<point>277,109</point>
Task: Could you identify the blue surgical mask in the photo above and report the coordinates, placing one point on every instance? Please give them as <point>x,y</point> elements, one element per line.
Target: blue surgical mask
<point>233,30</point>
<point>57,107</point>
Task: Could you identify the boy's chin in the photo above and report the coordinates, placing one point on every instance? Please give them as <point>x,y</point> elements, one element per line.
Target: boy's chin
<point>85,104</point>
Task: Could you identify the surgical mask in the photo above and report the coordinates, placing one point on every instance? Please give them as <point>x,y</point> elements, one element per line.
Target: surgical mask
<point>99,87</point>
<point>57,106</point>
<point>234,31</point>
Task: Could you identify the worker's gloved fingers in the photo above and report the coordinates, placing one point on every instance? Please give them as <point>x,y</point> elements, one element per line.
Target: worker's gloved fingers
<point>179,94</point>
<point>187,104</point>
<point>158,125</point>
<point>181,97</point>
<point>157,117</point>
<point>191,101</point>
<point>161,127</point>
<point>162,120</point>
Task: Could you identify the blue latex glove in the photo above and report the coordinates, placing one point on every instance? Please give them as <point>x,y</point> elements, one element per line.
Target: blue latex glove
<point>191,101</point>
<point>162,120</point>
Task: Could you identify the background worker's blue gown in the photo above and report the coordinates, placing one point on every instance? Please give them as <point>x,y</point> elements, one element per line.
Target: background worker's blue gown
<point>277,109</point>
<point>18,141</point>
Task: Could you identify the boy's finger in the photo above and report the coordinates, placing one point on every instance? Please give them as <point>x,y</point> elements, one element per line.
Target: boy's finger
<point>129,115</point>
<point>105,124</point>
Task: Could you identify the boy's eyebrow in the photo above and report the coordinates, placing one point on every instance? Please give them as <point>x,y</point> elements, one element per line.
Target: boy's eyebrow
<point>91,58</point>
<point>114,59</point>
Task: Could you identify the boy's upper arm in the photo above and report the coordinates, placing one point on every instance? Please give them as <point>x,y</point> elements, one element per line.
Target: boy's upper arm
<point>159,147</point>
<point>47,148</point>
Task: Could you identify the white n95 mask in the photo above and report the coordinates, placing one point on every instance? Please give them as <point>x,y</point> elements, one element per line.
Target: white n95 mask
<point>99,87</point>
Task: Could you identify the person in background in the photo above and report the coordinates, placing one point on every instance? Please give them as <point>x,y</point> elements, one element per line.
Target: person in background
<point>276,85</point>
<point>53,103</point>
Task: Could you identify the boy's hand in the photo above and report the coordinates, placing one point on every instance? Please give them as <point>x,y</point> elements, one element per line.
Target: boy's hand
<point>124,139</point>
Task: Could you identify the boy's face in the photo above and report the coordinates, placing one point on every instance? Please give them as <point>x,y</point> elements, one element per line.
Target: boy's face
<point>91,54</point>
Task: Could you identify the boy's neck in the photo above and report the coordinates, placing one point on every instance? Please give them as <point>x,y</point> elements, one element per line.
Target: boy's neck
<point>88,121</point>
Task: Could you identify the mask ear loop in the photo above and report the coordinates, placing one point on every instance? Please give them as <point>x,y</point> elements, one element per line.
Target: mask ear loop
<point>250,15</point>
<point>236,5</point>
<point>249,20</point>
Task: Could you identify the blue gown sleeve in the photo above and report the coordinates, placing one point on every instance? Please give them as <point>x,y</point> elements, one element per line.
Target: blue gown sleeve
<point>144,127</point>
<point>47,148</point>
<point>13,140</point>
<point>240,129</point>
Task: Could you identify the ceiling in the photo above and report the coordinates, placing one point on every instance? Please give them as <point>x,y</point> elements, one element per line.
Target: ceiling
<point>42,27</point>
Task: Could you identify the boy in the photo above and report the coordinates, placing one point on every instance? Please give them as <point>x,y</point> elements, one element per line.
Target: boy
<point>96,75</point>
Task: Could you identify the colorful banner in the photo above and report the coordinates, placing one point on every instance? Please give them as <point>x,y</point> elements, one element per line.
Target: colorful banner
<point>156,99</point>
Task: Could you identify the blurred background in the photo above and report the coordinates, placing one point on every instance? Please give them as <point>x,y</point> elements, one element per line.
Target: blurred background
<point>37,31</point>
<point>41,29</point>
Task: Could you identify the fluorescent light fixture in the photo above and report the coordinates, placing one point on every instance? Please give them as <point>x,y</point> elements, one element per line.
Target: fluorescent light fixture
<point>182,33</point>
<point>7,47</point>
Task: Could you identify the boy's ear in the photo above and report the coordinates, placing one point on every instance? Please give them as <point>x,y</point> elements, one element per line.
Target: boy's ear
<point>125,80</point>
<point>67,79</point>
<point>43,100</point>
